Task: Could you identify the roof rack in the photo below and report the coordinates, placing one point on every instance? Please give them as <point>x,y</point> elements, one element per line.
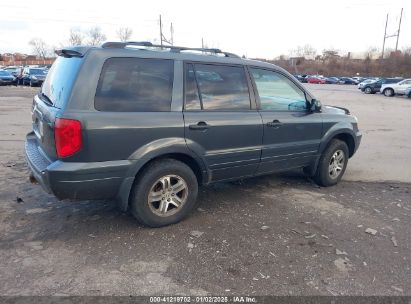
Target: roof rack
<point>174,49</point>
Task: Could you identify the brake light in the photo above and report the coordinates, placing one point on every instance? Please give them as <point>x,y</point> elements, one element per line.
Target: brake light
<point>67,134</point>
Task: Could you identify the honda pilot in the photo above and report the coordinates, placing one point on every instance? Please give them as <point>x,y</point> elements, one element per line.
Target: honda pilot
<point>146,125</point>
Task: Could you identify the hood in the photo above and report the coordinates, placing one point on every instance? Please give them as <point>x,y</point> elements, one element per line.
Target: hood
<point>335,110</point>
<point>7,77</point>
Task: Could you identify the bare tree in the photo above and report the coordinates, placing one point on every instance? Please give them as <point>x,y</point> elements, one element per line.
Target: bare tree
<point>95,36</point>
<point>76,37</point>
<point>304,51</point>
<point>40,47</point>
<point>124,33</point>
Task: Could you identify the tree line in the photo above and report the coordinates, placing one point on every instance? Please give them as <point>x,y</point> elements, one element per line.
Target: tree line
<point>93,36</point>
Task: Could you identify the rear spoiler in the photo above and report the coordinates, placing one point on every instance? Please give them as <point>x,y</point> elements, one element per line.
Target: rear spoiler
<point>72,52</point>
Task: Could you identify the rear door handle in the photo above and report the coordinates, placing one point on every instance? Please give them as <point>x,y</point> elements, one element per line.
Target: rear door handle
<point>200,126</point>
<point>274,124</point>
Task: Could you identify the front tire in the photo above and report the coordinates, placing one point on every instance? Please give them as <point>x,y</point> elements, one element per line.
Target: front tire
<point>164,193</point>
<point>367,90</point>
<point>389,92</point>
<point>332,164</point>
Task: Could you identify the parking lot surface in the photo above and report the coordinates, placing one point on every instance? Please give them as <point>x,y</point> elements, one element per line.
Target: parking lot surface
<point>271,235</point>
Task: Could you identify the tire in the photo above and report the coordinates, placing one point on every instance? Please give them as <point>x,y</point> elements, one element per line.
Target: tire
<point>167,172</point>
<point>367,90</point>
<point>324,175</point>
<point>388,92</point>
<point>409,95</point>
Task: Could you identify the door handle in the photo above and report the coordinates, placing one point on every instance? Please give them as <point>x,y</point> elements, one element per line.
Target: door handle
<point>200,126</point>
<point>274,124</point>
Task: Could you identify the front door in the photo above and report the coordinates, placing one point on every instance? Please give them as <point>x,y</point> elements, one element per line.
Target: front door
<point>292,134</point>
<point>221,123</point>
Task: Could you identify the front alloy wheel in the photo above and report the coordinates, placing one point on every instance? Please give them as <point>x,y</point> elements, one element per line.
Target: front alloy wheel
<point>367,90</point>
<point>337,164</point>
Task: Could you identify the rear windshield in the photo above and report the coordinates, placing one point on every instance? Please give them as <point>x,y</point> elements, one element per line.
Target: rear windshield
<point>38,72</point>
<point>60,79</point>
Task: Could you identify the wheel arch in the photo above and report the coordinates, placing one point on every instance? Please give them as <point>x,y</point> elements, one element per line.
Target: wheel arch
<point>196,164</point>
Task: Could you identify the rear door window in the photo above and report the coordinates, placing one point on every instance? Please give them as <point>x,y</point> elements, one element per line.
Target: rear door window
<point>216,88</point>
<point>135,85</point>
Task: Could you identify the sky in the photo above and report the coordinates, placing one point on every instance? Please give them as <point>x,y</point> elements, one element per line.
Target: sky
<point>256,29</point>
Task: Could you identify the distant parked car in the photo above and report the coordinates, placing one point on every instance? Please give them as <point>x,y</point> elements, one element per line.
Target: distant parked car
<point>33,76</point>
<point>299,77</point>
<point>391,89</point>
<point>348,80</point>
<point>6,78</point>
<point>315,79</point>
<point>374,87</point>
<point>332,80</point>
<point>365,82</point>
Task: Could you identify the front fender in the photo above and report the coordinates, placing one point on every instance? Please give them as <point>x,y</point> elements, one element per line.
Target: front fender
<point>339,128</point>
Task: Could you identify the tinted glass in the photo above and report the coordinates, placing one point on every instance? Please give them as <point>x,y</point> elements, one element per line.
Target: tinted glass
<point>37,71</point>
<point>222,87</point>
<point>277,92</point>
<point>192,99</point>
<point>60,78</point>
<point>135,85</point>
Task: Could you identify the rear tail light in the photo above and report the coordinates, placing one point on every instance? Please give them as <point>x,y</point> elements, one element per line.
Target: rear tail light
<point>67,134</point>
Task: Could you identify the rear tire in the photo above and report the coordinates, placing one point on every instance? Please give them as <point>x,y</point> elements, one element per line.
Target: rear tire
<point>332,164</point>
<point>388,92</point>
<point>164,193</point>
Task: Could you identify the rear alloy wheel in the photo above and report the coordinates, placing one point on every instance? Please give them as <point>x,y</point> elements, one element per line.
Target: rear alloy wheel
<point>164,193</point>
<point>332,164</point>
<point>389,92</point>
<point>367,90</point>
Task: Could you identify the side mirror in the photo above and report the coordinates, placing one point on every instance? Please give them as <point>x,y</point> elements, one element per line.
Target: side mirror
<point>315,105</point>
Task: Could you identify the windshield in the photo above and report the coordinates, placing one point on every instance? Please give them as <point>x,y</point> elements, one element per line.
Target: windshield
<point>4,73</point>
<point>60,79</point>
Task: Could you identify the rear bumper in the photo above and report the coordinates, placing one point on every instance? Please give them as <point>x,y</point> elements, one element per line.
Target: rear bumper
<point>68,180</point>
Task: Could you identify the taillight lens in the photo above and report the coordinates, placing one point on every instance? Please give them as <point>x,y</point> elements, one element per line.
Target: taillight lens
<point>67,134</point>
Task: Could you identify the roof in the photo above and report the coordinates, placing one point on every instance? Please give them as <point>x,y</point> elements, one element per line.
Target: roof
<point>147,49</point>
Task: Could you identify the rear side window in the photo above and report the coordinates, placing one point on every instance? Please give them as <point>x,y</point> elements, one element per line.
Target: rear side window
<point>135,85</point>
<point>216,88</point>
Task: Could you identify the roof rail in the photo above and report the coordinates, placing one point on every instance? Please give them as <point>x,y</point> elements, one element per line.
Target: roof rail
<point>174,49</point>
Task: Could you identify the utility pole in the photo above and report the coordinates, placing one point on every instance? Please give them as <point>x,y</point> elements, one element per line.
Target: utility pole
<point>163,38</point>
<point>385,37</point>
<point>161,33</point>
<point>398,33</point>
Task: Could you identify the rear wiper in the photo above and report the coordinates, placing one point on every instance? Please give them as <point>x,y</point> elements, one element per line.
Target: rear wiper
<point>45,98</point>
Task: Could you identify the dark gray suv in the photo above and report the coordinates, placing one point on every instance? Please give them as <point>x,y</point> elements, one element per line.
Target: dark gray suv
<point>147,125</point>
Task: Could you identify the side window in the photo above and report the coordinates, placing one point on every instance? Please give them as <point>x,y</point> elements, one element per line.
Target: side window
<point>135,85</point>
<point>277,92</point>
<point>220,88</point>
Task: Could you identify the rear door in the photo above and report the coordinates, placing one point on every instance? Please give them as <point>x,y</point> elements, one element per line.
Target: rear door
<point>220,120</point>
<point>292,134</point>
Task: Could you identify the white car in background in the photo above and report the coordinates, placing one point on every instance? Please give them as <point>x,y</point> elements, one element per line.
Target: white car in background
<point>398,88</point>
